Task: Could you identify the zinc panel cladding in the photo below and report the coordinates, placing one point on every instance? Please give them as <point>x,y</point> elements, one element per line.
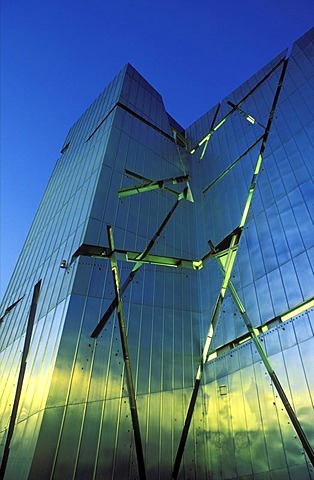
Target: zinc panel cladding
<point>74,418</point>
<point>249,411</point>
<point>57,231</point>
<point>283,245</point>
<point>162,325</point>
<point>273,273</point>
<point>274,244</point>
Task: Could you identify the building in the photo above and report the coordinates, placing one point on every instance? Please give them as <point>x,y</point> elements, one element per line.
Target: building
<point>159,321</point>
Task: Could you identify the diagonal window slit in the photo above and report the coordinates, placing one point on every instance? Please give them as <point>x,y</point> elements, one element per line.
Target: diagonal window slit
<point>233,164</point>
<point>233,109</point>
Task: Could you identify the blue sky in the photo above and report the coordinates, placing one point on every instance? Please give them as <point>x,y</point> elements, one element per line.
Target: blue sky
<point>57,56</point>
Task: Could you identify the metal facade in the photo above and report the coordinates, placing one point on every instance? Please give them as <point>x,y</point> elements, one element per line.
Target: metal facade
<point>179,342</point>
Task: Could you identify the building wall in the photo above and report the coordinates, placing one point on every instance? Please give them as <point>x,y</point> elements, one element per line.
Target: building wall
<point>58,228</point>
<point>249,432</point>
<point>74,417</point>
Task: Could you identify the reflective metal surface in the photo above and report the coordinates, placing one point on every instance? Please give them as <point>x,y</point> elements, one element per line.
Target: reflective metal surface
<point>74,417</point>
